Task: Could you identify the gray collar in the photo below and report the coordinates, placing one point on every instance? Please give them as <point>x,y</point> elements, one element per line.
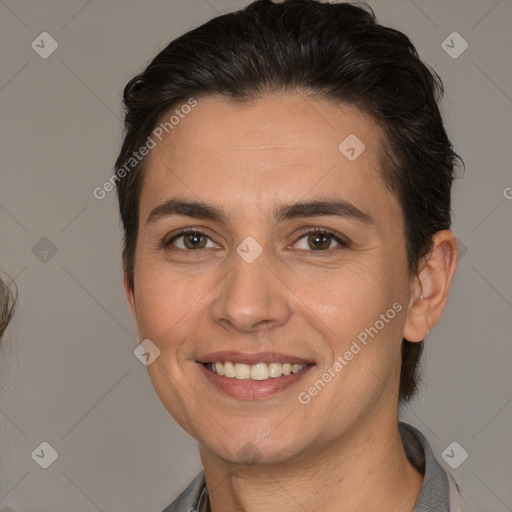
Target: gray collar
<point>435,492</point>
<point>434,495</point>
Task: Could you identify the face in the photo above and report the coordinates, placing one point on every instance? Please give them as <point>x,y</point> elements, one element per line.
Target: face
<point>265,245</point>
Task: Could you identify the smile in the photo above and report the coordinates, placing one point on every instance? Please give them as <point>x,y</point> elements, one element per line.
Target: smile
<point>252,376</point>
<point>255,372</point>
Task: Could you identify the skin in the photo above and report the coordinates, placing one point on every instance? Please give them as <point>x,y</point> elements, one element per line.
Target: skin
<point>276,453</point>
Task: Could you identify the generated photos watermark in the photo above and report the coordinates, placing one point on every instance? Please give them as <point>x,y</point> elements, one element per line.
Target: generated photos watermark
<point>343,360</point>
<point>137,156</point>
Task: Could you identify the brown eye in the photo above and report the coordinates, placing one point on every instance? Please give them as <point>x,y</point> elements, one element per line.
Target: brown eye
<point>189,240</point>
<point>194,240</point>
<point>319,241</point>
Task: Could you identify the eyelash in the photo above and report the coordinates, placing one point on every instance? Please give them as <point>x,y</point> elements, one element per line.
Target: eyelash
<point>343,243</point>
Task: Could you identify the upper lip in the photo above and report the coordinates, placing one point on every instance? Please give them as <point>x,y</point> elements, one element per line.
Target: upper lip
<point>251,358</point>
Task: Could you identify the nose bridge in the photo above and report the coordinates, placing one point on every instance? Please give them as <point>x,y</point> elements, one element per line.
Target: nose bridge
<point>251,296</point>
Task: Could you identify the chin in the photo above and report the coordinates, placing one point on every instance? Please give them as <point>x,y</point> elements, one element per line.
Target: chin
<point>250,450</point>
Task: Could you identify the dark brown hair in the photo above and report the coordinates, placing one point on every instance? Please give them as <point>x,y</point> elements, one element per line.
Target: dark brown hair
<point>335,51</point>
<point>8,299</point>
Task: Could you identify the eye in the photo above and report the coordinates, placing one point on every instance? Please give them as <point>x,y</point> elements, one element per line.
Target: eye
<point>320,240</point>
<point>190,240</point>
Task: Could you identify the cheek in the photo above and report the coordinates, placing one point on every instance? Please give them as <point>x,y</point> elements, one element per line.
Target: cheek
<point>364,310</point>
<point>351,298</point>
<point>165,300</point>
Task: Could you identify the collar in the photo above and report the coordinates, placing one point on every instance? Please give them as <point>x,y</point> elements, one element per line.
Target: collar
<point>435,491</point>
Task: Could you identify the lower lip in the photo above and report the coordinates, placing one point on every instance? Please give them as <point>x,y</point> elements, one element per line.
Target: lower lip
<point>253,389</point>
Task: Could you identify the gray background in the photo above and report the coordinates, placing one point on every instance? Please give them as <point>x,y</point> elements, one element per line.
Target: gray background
<point>68,373</point>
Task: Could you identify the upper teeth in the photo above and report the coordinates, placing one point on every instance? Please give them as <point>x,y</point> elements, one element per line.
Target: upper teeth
<point>259,371</point>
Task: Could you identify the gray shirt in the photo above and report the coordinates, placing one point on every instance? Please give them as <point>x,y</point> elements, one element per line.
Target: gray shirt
<point>434,495</point>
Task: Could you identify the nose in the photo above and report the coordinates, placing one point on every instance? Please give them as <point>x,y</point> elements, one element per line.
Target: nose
<point>251,297</point>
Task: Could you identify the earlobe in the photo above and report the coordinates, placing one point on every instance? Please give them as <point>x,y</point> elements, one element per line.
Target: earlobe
<point>430,287</point>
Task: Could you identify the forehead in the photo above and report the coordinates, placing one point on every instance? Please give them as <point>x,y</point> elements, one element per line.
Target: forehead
<point>277,148</point>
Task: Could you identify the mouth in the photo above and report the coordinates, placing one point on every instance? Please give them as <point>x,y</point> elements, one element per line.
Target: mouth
<point>253,376</point>
<point>255,372</point>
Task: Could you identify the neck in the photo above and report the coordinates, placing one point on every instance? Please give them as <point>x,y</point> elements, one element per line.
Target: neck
<point>365,469</point>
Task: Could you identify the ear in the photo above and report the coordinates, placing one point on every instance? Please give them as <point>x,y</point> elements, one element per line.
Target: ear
<point>130,296</point>
<point>430,287</point>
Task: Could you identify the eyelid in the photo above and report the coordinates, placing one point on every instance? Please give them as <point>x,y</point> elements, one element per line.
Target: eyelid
<point>338,237</point>
<point>167,240</point>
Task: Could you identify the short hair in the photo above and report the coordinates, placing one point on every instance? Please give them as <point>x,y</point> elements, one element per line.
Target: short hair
<point>335,51</point>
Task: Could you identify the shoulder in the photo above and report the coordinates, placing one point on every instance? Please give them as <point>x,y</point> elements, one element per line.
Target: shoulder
<point>440,487</point>
<point>190,499</point>
<point>460,500</point>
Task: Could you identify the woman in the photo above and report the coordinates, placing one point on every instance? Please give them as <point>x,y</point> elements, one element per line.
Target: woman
<point>284,187</point>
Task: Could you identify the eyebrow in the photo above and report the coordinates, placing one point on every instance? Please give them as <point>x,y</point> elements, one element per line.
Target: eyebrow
<point>201,210</point>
